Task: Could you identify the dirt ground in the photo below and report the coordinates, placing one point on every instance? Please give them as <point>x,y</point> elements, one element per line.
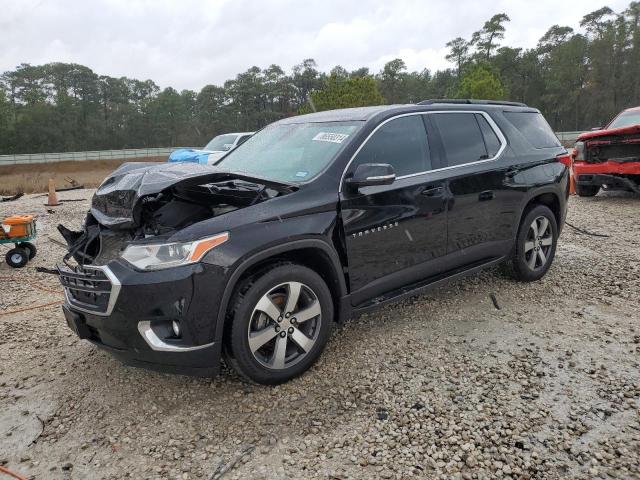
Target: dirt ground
<point>25,178</point>
<point>443,385</point>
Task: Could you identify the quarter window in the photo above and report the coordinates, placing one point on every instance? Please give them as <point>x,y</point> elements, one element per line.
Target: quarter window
<point>402,143</point>
<point>461,138</point>
<point>491,140</point>
<point>534,128</point>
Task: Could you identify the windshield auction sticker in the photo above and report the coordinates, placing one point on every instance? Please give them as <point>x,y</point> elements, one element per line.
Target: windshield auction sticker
<point>330,137</point>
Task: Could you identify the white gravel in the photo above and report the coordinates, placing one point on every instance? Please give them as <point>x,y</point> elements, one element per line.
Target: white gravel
<point>441,386</point>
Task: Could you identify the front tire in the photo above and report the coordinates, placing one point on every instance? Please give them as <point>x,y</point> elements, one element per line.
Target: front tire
<point>17,257</point>
<point>535,245</point>
<point>279,324</point>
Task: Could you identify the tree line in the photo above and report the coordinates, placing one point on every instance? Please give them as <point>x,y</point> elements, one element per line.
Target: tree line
<point>577,79</point>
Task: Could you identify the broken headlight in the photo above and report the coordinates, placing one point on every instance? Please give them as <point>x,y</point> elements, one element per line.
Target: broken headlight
<point>156,256</point>
<point>579,152</point>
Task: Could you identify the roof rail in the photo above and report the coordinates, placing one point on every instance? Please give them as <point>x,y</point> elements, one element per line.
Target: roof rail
<point>467,101</point>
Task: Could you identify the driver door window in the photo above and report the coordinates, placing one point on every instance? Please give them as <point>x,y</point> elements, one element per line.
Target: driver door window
<point>402,143</point>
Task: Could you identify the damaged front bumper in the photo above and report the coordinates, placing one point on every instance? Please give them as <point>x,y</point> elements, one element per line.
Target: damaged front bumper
<point>615,175</point>
<point>130,313</point>
<point>612,182</point>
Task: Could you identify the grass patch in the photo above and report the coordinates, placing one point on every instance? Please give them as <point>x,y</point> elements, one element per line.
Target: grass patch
<point>34,178</point>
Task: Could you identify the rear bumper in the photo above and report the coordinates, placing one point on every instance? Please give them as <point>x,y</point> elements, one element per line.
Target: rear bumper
<point>134,322</point>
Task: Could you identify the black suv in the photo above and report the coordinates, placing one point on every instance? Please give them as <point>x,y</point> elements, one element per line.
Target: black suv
<point>313,219</point>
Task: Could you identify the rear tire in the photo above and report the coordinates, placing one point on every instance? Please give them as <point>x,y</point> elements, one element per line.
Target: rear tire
<point>535,245</point>
<point>30,248</point>
<point>279,324</point>
<point>17,257</point>
<point>587,190</point>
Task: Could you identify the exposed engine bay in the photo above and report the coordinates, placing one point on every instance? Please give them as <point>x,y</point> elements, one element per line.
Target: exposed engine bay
<point>141,201</point>
<point>620,151</point>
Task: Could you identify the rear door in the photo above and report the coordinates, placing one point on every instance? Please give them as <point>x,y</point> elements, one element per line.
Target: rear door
<point>394,233</point>
<point>480,216</point>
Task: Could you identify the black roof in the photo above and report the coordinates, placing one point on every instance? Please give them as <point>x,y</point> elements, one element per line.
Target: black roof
<point>341,115</point>
<point>470,101</point>
<point>367,113</point>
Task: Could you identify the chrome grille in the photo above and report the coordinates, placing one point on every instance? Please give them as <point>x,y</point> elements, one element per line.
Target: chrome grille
<point>90,289</point>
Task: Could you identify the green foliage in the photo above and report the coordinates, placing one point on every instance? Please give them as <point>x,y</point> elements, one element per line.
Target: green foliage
<point>578,80</point>
<point>480,83</point>
<point>458,52</point>
<point>485,39</point>
<point>341,92</point>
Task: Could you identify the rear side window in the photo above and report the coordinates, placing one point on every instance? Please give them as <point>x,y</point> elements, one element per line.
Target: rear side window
<point>402,143</point>
<point>461,137</point>
<point>534,128</point>
<point>491,140</point>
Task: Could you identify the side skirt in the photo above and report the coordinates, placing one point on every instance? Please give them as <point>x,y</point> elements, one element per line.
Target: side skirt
<point>423,286</point>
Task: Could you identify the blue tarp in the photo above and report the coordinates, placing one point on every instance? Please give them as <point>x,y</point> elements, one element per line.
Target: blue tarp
<point>189,155</point>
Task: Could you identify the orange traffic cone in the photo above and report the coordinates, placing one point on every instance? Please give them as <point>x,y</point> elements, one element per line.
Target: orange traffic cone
<point>572,183</point>
<point>53,196</point>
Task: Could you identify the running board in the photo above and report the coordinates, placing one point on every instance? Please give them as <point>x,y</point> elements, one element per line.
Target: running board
<point>423,286</point>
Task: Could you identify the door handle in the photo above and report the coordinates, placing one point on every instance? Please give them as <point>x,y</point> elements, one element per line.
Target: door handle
<point>486,195</point>
<point>432,191</point>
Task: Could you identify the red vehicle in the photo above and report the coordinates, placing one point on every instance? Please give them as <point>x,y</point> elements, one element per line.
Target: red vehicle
<point>609,157</point>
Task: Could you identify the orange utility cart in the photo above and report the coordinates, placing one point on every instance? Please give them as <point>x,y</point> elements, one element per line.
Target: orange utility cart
<point>19,230</point>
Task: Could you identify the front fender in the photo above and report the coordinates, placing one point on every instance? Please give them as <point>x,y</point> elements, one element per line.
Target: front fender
<point>259,255</point>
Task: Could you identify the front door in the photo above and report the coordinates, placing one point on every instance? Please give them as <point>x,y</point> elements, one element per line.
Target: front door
<point>394,232</point>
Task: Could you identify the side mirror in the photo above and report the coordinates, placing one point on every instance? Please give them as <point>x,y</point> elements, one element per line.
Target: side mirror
<point>370,174</point>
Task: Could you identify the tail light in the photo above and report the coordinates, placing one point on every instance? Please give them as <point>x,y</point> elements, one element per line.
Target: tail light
<point>565,158</point>
<point>578,152</point>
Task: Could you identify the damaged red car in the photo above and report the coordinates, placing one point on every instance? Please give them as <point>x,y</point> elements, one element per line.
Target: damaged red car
<point>609,158</point>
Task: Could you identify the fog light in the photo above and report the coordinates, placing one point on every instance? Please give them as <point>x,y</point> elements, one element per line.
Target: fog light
<point>175,326</point>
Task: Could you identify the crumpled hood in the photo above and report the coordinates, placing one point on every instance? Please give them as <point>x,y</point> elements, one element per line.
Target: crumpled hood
<point>117,200</point>
<point>614,132</point>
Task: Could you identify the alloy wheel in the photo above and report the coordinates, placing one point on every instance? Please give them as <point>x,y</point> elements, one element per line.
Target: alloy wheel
<point>284,325</point>
<point>538,243</point>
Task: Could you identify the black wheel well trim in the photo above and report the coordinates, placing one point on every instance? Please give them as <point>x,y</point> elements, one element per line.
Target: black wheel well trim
<point>273,253</point>
<point>538,193</point>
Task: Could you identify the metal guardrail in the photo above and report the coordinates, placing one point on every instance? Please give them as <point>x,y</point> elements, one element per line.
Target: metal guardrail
<point>141,153</point>
<point>131,153</point>
<point>568,136</point>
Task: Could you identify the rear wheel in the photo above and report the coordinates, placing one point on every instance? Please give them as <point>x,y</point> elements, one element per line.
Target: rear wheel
<point>280,324</point>
<point>587,190</point>
<point>535,245</point>
<point>30,249</point>
<point>17,257</point>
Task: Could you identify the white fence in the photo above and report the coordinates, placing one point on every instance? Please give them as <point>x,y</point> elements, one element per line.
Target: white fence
<point>129,154</point>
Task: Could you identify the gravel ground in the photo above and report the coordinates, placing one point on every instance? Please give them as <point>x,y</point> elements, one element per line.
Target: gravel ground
<point>444,385</point>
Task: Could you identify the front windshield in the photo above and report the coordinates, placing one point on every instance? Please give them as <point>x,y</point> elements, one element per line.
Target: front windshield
<point>221,143</point>
<point>290,152</point>
<point>625,120</point>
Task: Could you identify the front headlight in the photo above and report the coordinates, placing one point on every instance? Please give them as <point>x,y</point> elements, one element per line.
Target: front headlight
<point>156,256</point>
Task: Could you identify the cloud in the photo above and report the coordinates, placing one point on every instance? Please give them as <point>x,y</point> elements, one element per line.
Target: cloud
<point>191,43</point>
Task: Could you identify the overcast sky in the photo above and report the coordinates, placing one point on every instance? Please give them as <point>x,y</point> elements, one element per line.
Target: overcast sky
<point>189,43</point>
